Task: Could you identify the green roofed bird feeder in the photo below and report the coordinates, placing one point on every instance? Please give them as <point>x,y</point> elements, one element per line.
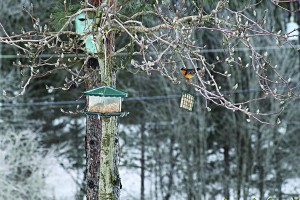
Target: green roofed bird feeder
<point>187,101</point>
<point>105,101</point>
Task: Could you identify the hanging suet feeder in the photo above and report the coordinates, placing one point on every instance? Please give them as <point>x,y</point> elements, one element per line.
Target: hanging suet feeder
<point>187,101</point>
<point>105,101</point>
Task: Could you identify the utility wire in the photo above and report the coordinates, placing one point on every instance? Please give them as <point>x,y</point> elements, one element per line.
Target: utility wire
<point>149,98</point>
<point>124,54</point>
<point>46,103</point>
<point>133,98</point>
<point>66,103</point>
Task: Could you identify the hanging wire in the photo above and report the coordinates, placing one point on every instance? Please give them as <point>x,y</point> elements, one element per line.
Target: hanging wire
<point>140,99</point>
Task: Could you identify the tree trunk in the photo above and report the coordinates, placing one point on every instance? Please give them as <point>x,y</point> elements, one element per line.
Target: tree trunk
<point>106,179</point>
<point>248,165</point>
<point>226,172</point>
<point>142,161</point>
<point>102,151</point>
<point>172,169</point>
<point>102,147</point>
<point>278,183</point>
<point>260,166</point>
<point>93,141</point>
<point>277,168</point>
<point>239,164</point>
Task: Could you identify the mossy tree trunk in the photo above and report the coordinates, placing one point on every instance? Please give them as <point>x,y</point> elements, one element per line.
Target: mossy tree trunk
<point>106,179</point>
<point>103,180</point>
<point>93,141</point>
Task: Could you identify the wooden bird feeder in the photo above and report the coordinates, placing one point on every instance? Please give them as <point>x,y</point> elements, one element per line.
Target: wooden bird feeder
<point>105,101</point>
<point>187,101</point>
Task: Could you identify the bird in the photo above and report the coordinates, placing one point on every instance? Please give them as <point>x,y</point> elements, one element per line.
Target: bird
<point>189,73</point>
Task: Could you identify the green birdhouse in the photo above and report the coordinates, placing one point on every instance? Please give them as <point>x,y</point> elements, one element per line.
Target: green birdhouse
<point>83,25</point>
<point>90,44</point>
<point>105,101</point>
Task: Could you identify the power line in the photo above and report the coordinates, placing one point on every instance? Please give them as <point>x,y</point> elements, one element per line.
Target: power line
<point>41,56</point>
<point>66,103</point>
<point>46,103</point>
<point>148,98</point>
<point>124,54</point>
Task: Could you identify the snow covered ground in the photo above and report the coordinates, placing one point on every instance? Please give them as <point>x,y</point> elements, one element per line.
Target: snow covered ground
<point>292,185</point>
<point>61,186</point>
<point>130,184</point>
<point>59,183</point>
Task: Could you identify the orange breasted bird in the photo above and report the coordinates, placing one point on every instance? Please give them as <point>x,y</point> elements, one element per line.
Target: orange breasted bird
<point>189,73</point>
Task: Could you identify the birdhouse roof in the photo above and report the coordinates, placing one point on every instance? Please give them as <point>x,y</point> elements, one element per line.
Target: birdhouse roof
<point>106,91</point>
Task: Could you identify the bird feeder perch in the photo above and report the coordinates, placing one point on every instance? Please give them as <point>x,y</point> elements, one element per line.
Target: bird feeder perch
<point>83,25</point>
<point>105,101</point>
<point>187,101</point>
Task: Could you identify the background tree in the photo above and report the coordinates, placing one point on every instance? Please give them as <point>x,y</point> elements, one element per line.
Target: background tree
<point>239,149</point>
<point>164,43</point>
<point>170,33</point>
<point>53,126</point>
<point>22,166</point>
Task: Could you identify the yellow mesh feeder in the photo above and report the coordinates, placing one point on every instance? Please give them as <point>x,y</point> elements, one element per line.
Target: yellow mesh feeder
<point>187,101</point>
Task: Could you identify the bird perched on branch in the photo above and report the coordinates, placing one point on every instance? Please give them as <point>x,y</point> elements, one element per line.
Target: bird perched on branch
<point>189,73</point>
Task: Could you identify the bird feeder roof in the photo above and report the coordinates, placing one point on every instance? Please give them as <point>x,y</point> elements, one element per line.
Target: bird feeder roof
<point>106,91</point>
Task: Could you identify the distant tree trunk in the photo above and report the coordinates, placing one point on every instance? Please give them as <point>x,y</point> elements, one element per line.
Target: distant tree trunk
<point>156,182</point>
<point>278,178</point>
<point>190,181</point>
<point>142,161</point>
<point>156,167</point>
<point>160,171</point>
<point>248,165</point>
<point>0,58</point>
<point>82,190</point>
<point>260,166</point>
<point>171,171</point>
<point>203,162</point>
<point>226,172</point>
<point>278,184</point>
<point>239,164</point>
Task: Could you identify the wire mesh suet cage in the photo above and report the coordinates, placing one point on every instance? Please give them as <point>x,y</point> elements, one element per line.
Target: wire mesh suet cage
<point>187,101</point>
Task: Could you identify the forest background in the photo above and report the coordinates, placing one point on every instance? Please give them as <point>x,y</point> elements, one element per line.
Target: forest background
<point>166,152</point>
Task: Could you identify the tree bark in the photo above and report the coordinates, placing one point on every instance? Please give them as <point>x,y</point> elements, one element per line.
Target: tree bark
<point>106,179</point>
<point>260,166</point>
<point>239,164</point>
<point>226,172</point>
<point>172,168</point>
<point>93,141</point>
<point>103,181</point>
<point>248,165</point>
<point>142,161</point>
